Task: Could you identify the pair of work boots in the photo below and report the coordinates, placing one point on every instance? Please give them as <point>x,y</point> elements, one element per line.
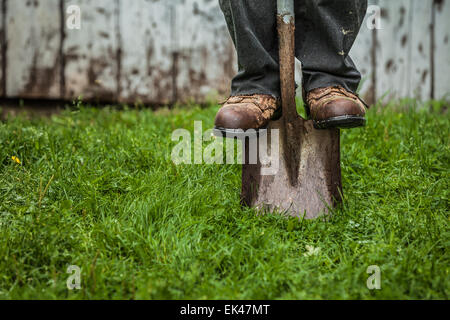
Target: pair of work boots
<point>330,107</point>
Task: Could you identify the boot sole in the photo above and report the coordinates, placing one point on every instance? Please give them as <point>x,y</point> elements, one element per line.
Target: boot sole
<point>238,133</point>
<point>341,122</point>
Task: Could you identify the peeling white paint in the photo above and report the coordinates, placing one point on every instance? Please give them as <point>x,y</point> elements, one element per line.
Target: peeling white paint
<point>155,51</point>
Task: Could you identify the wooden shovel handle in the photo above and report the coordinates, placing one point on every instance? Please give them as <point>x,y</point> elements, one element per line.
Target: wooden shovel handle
<point>286,37</point>
<point>290,133</point>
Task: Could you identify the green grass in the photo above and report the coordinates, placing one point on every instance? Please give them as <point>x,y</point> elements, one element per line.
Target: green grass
<point>96,188</point>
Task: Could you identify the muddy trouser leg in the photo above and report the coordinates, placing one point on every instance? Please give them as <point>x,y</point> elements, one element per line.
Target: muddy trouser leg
<point>325,33</point>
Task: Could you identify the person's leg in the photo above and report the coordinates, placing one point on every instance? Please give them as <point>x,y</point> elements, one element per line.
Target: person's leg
<point>255,90</point>
<point>325,33</point>
<point>252,26</point>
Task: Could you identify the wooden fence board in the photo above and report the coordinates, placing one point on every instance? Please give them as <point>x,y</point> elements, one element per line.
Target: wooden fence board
<point>442,49</point>
<point>147,64</point>
<point>393,50</point>
<point>206,55</point>
<point>420,46</point>
<point>2,47</point>
<point>91,53</point>
<point>361,54</point>
<point>33,37</point>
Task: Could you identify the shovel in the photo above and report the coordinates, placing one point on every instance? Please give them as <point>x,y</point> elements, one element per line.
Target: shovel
<point>307,182</point>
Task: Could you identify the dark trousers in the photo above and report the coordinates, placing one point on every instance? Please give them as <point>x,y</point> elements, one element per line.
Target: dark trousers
<point>325,33</point>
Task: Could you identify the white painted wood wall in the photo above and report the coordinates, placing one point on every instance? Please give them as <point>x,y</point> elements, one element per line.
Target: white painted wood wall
<point>175,50</point>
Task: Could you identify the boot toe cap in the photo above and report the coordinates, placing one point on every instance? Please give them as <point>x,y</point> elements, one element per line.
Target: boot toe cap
<point>340,107</point>
<point>235,118</point>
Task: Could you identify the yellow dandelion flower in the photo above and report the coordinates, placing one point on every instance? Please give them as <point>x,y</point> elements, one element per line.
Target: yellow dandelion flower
<point>15,159</point>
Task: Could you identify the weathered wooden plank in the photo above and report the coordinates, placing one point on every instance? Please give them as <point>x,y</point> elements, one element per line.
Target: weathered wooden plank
<point>361,54</point>
<point>91,53</point>
<point>420,46</point>
<point>2,46</point>
<point>33,37</point>
<point>147,53</point>
<point>206,56</point>
<point>159,51</point>
<point>393,50</point>
<point>442,50</point>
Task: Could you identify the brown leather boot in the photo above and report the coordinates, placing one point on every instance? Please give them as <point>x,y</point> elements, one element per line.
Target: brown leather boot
<point>335,107</point>
<point>240,113</point>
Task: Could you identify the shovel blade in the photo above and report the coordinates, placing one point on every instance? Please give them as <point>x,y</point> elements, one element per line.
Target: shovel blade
<point>316,185</point>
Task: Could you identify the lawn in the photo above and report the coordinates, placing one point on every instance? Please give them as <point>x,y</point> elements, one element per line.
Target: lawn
<point>96,188</point>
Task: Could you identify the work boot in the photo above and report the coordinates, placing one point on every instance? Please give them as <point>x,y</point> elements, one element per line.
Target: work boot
<point>335,107</point>
<point>240,113</point>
